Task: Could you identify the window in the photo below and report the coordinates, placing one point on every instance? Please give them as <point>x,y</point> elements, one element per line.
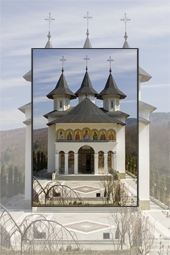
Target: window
<point>106,235</point>
<point>61,104</point>
<point>97,194</point>
<point>111,104</point>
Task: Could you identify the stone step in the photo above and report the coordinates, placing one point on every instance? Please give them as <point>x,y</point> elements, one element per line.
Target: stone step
<point>80,177</point>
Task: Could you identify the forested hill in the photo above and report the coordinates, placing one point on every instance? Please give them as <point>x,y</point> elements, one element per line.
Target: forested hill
<point>160,118</point>
<point>12,149</point>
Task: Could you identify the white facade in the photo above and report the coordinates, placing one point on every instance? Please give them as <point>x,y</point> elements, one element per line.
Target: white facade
<point>115,147</point>
<point>26,109</point>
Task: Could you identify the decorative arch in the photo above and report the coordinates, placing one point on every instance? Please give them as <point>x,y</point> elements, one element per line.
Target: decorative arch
<point>94,134</point>
<point>110,160</point>
<point>71,162</point>
<point>111,135</point>
<point>60,134</point>
<point>102,135</point>
<point>77,135</point>
<point>62,161</point>
<point>69,135</point>
<point>101,160</point>
<point>86,132</point>
<point>86,160</point>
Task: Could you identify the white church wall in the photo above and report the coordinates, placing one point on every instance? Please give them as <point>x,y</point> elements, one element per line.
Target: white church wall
<point>51,149</point>
<point>144,176</point>
<point>120,152</point>
<point>28,168</point>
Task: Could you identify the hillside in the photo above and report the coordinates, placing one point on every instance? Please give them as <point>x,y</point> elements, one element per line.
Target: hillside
<point>13,149</point>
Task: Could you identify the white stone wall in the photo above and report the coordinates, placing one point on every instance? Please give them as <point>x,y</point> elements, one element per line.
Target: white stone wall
<point>144,176</point>
<point>51,149</point>
<point>28,167</point>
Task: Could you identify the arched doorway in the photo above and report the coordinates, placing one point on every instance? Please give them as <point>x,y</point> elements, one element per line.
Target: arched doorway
<point>86,160</point>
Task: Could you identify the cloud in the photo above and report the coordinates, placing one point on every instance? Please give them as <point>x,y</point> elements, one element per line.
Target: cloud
<point>39,122</point>
<point>11,119</point>
<point>153,86</point>
<point>40,99</point>
<point>129,101</point>
<point>13,82</point>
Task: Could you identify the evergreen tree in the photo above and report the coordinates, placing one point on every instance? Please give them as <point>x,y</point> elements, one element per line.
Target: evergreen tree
<point>38,161</point>
<point>16,181</point>
<point>3,182</point>
<point>162,188</point>
<point>21,178</point>
<point>34,161</point>
<point>156,185</point>
<point>152,182</point>
<point>10,182</point>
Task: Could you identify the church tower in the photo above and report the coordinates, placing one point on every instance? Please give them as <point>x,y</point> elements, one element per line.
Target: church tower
<point>144,159</point>
<point>87,44</point>
<point>26,109</point>
<point>86,89</point>
<point>61,96</point>
<point>111,94</point>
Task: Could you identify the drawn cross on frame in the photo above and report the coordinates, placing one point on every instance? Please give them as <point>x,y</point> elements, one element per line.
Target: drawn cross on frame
<point>87,17</point>
<point>63,59</point>
<point>49,19</point>
<point>125,19</point>
<point>86,58</point>
<point>110,60</point>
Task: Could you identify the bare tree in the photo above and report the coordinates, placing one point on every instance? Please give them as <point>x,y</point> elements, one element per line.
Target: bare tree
<point>115,192</point>
<point>134,230</point>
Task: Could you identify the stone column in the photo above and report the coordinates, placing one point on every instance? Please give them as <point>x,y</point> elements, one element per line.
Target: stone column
<point>75,163</point>
<point>105,163</point>
<point>66,163</point>
<point>95,163</point>
<point>57,162</point>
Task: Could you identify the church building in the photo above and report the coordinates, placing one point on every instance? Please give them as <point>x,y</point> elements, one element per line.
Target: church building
<point>86,139</point>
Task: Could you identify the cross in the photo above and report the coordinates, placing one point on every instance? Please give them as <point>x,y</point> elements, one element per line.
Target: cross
<point>86,58</point>
<point>87,17</point>
<point>110,60</point>
<point>125,19</point>
<point>63,59</point>
<point>49,19</point>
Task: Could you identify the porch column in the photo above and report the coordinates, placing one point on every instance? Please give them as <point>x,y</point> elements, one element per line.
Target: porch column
<point>66,163</point>
<point>57,162</point>
<point>75,163</point>
<point>95,163</point>
<point>105,163</point>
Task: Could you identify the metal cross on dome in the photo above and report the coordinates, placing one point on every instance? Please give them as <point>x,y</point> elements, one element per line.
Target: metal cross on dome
<point>49,19</point>
<point>63,59</point>
<point>125,19</point>
<point>87,17</point>
<point>110,60</point>
<point>86,58</point>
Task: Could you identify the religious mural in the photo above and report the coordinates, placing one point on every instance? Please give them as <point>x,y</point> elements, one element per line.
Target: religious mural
<point>60,135</point>
<point>94,135</point>
<point>111,135</point>
<point>103,135</point>
<point>77,135</point>
<point>69,135</point>
<point>86,135</point>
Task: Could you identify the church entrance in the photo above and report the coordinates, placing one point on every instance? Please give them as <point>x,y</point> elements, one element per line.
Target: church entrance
<point>86,160</point>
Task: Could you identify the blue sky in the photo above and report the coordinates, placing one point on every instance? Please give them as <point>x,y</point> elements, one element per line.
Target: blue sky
<point>47,70</point>
<point>23,27</point>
